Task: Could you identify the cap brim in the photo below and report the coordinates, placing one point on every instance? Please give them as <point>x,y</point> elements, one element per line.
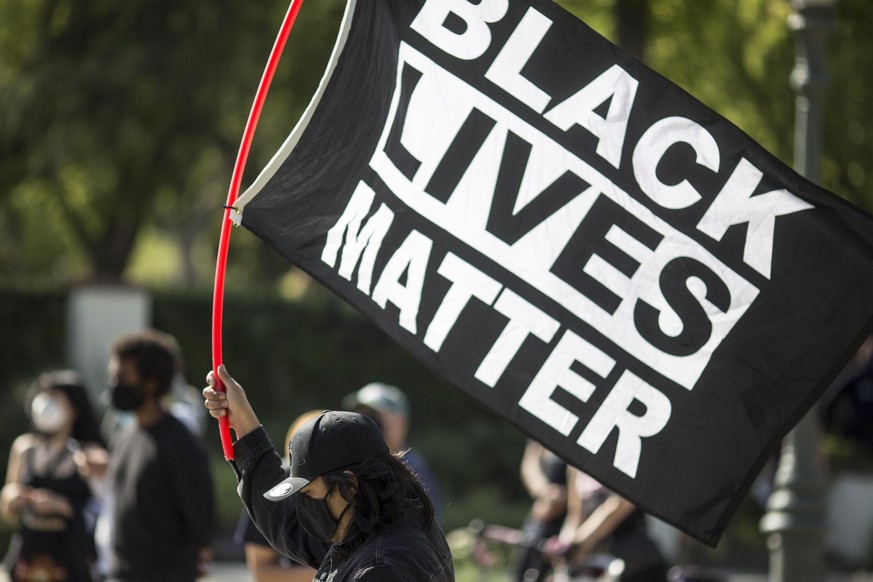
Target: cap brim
<point>286,488</point>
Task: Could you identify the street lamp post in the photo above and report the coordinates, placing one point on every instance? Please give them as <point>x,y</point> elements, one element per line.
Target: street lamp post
<point>794,522</point>
<point>812,21</point>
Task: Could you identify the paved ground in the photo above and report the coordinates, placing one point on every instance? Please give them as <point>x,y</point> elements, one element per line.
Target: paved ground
<point>236,572</point>
<point>221,572</point>
<point>228,572</point>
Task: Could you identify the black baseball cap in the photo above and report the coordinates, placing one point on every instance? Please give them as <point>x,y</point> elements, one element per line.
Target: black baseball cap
<point>330,441</point>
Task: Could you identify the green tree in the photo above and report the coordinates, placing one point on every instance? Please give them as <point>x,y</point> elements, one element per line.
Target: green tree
<point>736,56</point>
<point>848,165</point>
<point>119,122</point>
<point>120,117</point>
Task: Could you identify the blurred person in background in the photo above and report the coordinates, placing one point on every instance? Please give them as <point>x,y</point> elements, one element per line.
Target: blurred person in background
<point>544,476</point>
<point>389,408</point>
<point>600,521</point>
<point>48,490</point>
<point>162,514</point>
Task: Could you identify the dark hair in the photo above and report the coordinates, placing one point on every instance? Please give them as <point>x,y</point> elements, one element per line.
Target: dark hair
<point>155,355</point>
<point>86,429</point>
<point>386,491</point>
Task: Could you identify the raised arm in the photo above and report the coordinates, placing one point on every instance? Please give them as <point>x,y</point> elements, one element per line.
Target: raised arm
<point>550,499</point>
<point>585,533</point>
<point>258,468</point>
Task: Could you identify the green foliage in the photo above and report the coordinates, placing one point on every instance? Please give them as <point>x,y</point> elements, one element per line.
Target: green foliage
<point>595,13</point>
<point>228,507</point>
<point>846,454</point>
<point>34,334</point>
<point>114,116</point>
<point>119,122</point>
<point>468,569</point>
<point>849,118</point>
<point>737,58</point>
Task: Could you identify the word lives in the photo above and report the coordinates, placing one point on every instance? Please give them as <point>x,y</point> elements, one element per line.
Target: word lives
<point>526,206</point>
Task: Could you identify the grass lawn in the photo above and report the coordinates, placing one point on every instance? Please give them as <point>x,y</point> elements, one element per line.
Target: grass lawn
<point>466,571</point>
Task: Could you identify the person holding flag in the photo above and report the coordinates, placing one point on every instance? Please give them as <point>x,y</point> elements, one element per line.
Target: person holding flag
<point>349,507</point>
<point>264,563</point>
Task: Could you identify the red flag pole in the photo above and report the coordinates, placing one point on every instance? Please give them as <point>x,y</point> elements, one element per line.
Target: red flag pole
<point>233,192</point>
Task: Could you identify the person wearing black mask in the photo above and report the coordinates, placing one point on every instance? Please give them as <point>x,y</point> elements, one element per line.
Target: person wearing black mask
<point>162,512</point>
<point>349,507</point>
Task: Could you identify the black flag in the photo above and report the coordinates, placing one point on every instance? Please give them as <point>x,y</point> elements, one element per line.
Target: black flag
<point>572,240</point>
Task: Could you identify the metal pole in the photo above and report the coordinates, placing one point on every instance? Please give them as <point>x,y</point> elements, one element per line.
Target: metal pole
<point>794,520</point>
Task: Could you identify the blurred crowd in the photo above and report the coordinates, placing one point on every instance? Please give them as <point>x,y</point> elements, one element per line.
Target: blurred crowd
<point>130,497</point>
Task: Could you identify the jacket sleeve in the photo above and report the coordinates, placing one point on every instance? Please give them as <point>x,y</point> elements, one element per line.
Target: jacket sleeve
<point>258,468</point>
<point>380,573</point>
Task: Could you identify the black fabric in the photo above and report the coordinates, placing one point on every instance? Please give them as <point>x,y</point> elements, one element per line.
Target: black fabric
<point>575,242</point>
<point>849,414</point>
<point>643,561</point>
<point>401,551</point>
<point>554,468</point>
<point>163,502</point>
<point>247,533</point>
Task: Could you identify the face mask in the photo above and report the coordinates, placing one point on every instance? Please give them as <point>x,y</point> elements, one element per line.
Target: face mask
<point>127,397</point>
<point>316,519</point>
<point>48,415</point>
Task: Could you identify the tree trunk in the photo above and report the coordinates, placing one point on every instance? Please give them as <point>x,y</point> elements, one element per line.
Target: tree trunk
<point>632,20</point>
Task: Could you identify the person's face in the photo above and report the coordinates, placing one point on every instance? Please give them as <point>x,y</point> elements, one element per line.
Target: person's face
<point>124,373</point>
<point>64,402</point>
<point>336,505</point>
<point>52,413</point>
<point>394,427</point>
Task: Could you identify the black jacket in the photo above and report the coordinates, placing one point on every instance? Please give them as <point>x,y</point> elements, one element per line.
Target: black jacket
<point>407,551</point>
<point>164,502</point>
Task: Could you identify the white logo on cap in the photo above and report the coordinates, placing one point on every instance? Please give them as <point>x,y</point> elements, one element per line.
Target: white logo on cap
<point>280,489</point>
